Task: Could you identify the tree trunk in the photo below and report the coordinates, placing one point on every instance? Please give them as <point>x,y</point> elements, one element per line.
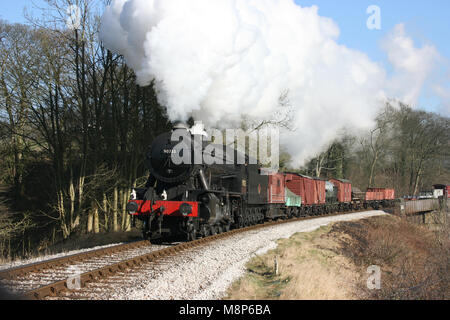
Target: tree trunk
<point>62,215</point>
<point>372,170</point>
<point>121,197</point>
<point>72,200</point>
<point>106,212</point>
<point>96,220</point>
<point>115,209</point>
<point>125,216</point>
<point>90,221</point>
<point>416,181</point>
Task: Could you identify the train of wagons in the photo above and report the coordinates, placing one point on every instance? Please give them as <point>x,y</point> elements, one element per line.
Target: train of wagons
<point>193,201</point>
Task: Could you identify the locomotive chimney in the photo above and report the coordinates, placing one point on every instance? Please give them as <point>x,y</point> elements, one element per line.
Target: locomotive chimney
<point>179,125</point>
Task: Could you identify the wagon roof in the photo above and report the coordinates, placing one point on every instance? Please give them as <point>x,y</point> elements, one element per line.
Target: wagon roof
<point>381,188</point>
<point>300,175</point>
<point>441,186</point>
<point>307,177</point>
<point>342,180</point>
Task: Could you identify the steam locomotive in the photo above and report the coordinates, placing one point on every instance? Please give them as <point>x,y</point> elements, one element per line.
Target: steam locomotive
<point>198,200</point>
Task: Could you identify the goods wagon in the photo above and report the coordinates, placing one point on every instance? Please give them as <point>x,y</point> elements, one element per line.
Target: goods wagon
<point>304,187</point>
<point>389,194</point>
<point>374,194</point>
<point>344,187</point>
<point>277,190</point>
<point>320,191</point>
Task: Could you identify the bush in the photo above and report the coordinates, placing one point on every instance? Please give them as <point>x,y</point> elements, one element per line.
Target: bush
<point>414,261</point>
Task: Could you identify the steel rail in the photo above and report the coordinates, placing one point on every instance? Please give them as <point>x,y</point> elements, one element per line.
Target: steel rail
<point>20,271</point>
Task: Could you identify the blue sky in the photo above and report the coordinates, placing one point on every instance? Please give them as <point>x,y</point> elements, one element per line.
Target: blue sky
<point>12,10</point>
<point>427,22</point>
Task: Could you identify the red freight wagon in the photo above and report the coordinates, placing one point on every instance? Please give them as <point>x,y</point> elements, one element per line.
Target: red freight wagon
<point>304,187</point>
<point>344,189</point>
<point>295,185</point>
<point>277,191</point>
<point>389,194</point>
<point>309,187</point>
<point>320,191</point>
<point>374,194</point>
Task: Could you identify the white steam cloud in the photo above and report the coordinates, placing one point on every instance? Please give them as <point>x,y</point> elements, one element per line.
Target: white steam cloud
<point>413,65</point>
<point>224,60</point>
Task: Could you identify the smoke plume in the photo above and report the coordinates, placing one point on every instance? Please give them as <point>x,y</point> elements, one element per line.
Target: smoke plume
<point>222,61</point>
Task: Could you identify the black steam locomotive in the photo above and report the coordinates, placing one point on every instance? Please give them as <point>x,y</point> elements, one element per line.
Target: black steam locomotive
<point>198,199</point>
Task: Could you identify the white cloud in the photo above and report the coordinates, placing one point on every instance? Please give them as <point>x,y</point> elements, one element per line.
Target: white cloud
<point>413,66</point>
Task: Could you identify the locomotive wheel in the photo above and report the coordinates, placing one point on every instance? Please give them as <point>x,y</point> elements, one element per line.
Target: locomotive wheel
<point>205,231</point>
<point>248,218</point>
<point>240,222</point>
<point>146,235</point>
<point>192,236</point>
<point>254,217</point>
<point>261,217</point>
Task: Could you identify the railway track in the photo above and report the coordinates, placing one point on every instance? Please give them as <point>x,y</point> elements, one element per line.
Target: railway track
<point>63,277</point>
<point>24,280</point>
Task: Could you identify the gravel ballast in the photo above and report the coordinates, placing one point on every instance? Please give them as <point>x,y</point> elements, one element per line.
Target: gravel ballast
<point>42,258</point>
<point>208,271</point>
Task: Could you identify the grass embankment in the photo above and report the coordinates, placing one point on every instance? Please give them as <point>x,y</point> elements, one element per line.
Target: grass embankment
<point>332,262</point>
<point>309,268</point>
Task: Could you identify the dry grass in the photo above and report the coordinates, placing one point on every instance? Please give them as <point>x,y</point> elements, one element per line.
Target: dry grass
<point>332,262</point>
<point>309,269</point>
<point>414,260</point>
